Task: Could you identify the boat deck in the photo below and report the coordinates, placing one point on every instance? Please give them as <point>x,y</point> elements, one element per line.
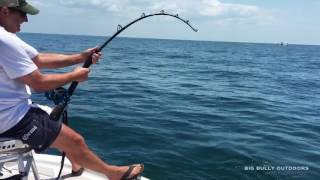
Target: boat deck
<point>48,168</point>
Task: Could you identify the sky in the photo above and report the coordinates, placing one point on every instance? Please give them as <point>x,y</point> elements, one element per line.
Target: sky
<point>262,21</point>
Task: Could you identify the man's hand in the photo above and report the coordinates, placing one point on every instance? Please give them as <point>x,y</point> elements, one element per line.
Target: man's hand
<point>81,74</point>
<point>93,53</point>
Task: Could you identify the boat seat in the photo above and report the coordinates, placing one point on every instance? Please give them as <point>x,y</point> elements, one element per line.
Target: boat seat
<point>14,150</point>
<point>11,145</point>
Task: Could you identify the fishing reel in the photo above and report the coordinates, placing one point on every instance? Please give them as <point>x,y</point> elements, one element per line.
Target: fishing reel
<point>58,96</point>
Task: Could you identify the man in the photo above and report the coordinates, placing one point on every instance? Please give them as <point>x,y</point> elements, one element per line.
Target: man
<point>20,66</point>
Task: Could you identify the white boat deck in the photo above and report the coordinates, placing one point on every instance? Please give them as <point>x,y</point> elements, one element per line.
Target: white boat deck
<point>48,168</point>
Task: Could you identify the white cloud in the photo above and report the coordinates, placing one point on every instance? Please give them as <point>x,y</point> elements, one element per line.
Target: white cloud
<point>190,8</point>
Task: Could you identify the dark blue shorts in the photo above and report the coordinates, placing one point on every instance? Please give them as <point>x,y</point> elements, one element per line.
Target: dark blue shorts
<point>35,129</point>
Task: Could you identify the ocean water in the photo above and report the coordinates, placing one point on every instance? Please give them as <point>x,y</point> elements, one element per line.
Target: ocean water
<point>198,110</point>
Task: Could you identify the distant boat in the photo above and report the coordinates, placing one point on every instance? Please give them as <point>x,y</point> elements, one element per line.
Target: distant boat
<point>284,44</point>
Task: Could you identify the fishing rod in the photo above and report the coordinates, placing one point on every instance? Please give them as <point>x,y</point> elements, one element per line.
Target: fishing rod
<point>60,108</point>
<point>61,97</point>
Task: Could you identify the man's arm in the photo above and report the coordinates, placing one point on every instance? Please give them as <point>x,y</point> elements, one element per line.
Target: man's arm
<point>43,82</point>
<point>52,61</point>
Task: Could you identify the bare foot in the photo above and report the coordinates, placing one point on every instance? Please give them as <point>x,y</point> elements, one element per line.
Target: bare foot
<point>120,171</point>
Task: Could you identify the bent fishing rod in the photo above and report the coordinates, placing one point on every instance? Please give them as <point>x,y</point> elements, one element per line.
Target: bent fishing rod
<point>60,108</point>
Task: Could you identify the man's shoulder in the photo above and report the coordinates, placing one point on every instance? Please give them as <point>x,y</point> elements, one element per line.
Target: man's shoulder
<point>7,38</point>
<point>11,46</point>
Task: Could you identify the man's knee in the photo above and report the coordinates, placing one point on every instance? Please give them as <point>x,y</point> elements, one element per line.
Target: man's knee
<point>70,141</point>
<point>79,141</point>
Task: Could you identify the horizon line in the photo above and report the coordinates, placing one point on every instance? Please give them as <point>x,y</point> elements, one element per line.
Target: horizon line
<point>198,40</point>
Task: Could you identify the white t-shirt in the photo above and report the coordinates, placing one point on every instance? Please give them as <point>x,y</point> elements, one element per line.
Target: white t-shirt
<point>15,61</point>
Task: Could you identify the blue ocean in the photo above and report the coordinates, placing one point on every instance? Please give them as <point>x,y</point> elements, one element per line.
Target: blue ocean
<point>192,110</point>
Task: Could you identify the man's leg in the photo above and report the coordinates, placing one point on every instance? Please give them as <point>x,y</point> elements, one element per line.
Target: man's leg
<point>74,145</point>
<point>75,167</point>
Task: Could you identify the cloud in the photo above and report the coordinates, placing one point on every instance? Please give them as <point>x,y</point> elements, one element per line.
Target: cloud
<point>214,9</point>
